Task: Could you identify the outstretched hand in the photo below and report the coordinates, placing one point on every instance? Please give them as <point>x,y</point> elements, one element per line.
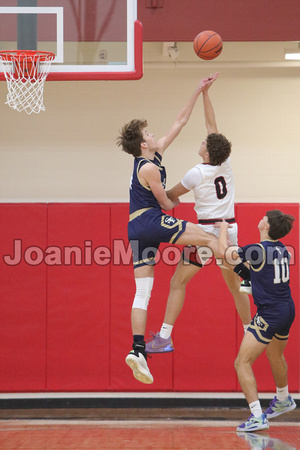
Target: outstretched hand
<point>208,81</point>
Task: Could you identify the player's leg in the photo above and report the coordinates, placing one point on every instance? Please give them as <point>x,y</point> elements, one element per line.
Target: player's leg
<point>161,342</point>
<point>194,235</point>
<point>233,282</point>
<point>137,357</point>
<point>249,351</point>
<point>183,274</point>
<point>277,361</point>
<point>174,230</point>
<point>282,402</point>
<point>241,300</point>
<point>144,278</point>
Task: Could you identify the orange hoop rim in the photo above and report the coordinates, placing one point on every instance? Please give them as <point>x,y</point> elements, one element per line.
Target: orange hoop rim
<point>10,55</point>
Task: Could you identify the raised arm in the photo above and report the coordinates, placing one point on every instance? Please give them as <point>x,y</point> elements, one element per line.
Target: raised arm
<point>183,116</point>
<point>209,114</point>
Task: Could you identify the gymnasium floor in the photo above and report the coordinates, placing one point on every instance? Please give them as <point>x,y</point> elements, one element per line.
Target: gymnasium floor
<point>182,428</point>
<point>129,435</point>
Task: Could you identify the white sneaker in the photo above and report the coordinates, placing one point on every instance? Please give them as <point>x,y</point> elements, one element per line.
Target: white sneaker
<point>137,362</point>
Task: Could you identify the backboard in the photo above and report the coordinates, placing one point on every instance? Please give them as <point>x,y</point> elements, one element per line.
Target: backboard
<point>91,39</point>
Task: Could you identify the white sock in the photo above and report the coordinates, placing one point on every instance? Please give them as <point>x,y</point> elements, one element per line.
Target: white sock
<point>166,330</point>
<point>282,393</point>
<point>255,408</point>
<point>246,327</point>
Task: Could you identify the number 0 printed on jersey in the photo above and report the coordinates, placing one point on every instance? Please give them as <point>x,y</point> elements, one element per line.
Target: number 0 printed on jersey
<point>221,188</point>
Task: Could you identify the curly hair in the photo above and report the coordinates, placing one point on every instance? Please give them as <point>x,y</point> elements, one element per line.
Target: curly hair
<point>280,223</point>
<point>218,147</point>
<point>131,137</point>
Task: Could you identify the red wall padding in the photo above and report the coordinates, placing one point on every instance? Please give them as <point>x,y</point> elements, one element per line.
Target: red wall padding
<point>23,294</point>
<point>78,308</point>
<point>65,325</point>
<point>122,291</point>
<point>205,332</point>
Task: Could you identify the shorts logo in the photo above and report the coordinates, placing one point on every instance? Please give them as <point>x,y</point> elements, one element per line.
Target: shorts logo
<point>168,220</point>
<point>261,323</point>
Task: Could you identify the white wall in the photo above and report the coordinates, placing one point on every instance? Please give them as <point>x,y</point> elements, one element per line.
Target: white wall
<point>68,152</point>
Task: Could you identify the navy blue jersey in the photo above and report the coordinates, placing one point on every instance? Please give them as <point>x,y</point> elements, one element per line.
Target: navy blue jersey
<point>269,270</point>
<point>141,196</point>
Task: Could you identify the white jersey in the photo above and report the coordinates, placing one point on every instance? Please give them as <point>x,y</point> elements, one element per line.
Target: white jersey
<point>213,189</point>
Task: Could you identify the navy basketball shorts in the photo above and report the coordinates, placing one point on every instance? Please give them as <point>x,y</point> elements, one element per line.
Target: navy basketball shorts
<point>147,231</point>
<point>272,322</point>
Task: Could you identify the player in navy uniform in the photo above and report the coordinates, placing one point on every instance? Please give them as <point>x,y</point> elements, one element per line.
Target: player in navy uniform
<point>212,184</point>
<point>269,329</point>
<point>148,225</point>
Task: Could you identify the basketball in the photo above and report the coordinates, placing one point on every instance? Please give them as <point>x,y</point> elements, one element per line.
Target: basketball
<point>208,45</point>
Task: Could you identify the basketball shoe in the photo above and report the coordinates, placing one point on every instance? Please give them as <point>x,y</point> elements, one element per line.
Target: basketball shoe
<point>276,407</point>
<point>254,424</point>
<point>157,344</point>
<point>137,361</point>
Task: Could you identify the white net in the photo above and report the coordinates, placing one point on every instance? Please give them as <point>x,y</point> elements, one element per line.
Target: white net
<point>25,73</point>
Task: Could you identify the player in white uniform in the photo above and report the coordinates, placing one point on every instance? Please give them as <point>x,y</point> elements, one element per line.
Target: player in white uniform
<point>213,187</point>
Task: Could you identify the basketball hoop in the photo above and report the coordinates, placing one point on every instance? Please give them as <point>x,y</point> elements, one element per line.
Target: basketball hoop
<point>26,72</point>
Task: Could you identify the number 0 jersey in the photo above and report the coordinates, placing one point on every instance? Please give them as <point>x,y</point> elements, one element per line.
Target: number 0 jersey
<point>269,271</point>
<point>213,189</point>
